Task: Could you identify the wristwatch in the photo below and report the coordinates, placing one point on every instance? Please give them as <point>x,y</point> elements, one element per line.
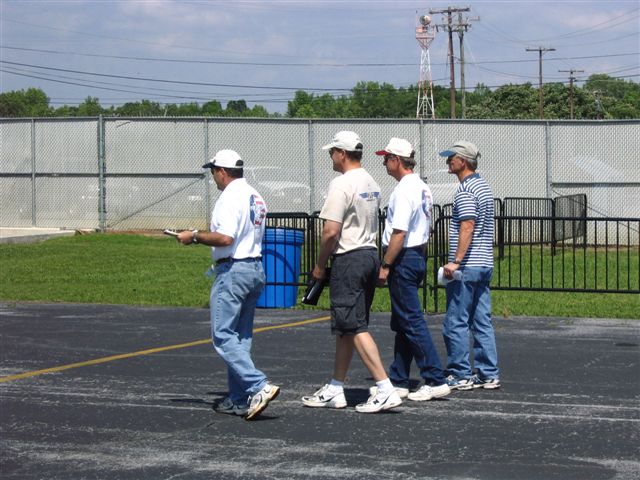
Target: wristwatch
<point>386,265</point>
<point>457,262</point>
<point>194,236</point>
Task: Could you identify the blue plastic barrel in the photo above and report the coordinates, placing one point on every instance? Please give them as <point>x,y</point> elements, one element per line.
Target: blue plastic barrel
<point>281,252</point>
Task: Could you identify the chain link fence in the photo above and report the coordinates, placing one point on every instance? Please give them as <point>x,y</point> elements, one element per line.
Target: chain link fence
<point>144,173</point>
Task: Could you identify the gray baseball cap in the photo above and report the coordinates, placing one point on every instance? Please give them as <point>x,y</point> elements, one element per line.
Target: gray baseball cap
<point>464,149</point>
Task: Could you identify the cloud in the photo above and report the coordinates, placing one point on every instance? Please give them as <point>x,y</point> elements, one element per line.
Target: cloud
<point>175,13</point>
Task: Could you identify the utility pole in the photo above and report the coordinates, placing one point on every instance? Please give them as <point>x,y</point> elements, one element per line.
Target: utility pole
<point>599,109</point>
<point>462,28</point>
<point>540,51</point>
<point>571,80</point>
<point>449,27</point>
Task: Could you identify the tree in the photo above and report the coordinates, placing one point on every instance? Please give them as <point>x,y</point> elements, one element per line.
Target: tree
<point>508,101</point>
<point>32,102</point>
<point>89,108</point>
<point>618,98</point>
<point>212,109</point>
<point>236,108</point>
<point>145,108</point>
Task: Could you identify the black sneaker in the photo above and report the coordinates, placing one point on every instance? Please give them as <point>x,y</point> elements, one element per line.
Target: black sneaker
<point>488,384</point>
<point>459,383</point>
<point>227,406</point>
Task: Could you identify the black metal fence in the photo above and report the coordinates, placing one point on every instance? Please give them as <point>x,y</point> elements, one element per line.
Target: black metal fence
<point>540,245</point>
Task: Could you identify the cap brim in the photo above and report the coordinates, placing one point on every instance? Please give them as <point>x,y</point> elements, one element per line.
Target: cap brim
<point>383,152</point>
<point>328,146</point>
<point>448,153</point>
<point>208,165</point>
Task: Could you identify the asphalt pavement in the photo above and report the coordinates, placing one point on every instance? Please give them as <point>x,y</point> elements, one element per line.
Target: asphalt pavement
<point>133,400</point>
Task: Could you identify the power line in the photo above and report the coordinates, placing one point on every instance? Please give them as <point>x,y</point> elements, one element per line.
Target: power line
<point>222,62</point>
<point>180,82</point>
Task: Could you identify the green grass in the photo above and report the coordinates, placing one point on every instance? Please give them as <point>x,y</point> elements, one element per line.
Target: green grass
<point>117,269</point>
<point>147,270</point>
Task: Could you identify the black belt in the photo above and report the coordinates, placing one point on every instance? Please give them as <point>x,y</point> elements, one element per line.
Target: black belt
<point>233,260</point>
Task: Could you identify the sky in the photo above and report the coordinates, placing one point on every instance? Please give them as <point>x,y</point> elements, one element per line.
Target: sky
<point>172,51</point>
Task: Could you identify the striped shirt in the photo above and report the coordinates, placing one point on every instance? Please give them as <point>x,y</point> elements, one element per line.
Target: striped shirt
<point>473,200</point>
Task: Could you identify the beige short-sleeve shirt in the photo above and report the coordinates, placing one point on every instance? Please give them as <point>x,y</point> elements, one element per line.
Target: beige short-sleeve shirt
<point>353,200</point>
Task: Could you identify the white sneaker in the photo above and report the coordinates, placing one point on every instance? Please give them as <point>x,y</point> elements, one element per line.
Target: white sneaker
<point>379,402</point>
<point>323,399</point>
<point>261,400</point>
<point>426,392</point>
<point>402,392</point>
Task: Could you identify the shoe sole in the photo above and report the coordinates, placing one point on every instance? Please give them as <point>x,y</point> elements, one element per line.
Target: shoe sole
<point>386,406</point>
<point>463,388</point>
<point>422,399</point>
<point>487,386</point>
<point>436,395</point>
<point>324,405</point>
<point>440,395</point>
<point>264,404</point>
<point>232,412</point>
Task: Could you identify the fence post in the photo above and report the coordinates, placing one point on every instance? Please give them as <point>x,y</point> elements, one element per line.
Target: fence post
<point>312,183</point>
<point>547,153</point>
<point>102,168</point>
<point>554,237</point>
<point>421,137</point>
<point>500,230</point>
<point>205,177</point>
<point>33,173</point>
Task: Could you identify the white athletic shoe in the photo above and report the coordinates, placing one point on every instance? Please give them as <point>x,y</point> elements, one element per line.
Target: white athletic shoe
<point>323,399</point>
<point>379,402</point>
<point>426,392</point>
<point>261,400</point>
<point>402,392</point>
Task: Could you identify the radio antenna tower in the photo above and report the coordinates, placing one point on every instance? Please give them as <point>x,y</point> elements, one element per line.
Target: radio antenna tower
<point>425,33</point>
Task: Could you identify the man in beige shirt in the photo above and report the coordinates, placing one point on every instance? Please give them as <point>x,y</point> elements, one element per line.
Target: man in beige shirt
<point>350,215</point>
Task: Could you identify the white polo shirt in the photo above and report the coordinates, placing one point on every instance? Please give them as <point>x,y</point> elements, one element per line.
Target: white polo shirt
<point>410,208</point>
<point>239,213</point>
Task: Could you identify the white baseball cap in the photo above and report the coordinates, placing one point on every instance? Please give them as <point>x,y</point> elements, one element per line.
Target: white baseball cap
<point>397,146</point>
<point>225,159</point>
<point>345,140</point>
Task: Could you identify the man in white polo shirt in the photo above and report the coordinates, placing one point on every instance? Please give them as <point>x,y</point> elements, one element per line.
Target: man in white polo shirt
<point>237,227</point>
<point>406,233</point>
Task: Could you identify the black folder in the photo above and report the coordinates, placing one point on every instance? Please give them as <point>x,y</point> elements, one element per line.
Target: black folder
<point>314,289</point>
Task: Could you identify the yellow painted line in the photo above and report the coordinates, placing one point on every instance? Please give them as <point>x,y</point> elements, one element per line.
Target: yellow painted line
<point>147,352</point>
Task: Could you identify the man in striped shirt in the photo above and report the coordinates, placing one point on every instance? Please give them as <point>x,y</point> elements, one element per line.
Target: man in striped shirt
<point>468,294</point>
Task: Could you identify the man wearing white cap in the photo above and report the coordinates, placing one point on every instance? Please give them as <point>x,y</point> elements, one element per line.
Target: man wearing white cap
<point>237,226</point>
<point>349,234</point>
<point>406,233</point>
<point>471,253</point>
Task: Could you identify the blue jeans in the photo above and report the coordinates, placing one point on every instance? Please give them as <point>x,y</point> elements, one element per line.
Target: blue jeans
<point>469,309</point>
<point>234,294</point>
<point>413,340</point>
